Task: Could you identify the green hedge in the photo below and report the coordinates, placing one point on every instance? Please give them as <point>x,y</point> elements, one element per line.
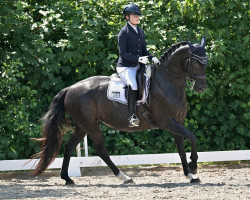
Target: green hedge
<point>46,46</point>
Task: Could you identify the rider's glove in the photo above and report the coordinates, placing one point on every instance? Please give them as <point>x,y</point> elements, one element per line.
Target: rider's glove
<point>143,59</point>
<point>155,61</point>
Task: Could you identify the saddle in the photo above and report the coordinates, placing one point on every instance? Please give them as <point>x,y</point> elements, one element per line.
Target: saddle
<point>118,90</point>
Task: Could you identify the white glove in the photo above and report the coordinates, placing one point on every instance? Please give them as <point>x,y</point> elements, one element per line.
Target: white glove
<point>155,61</point>
<point>143,59</point>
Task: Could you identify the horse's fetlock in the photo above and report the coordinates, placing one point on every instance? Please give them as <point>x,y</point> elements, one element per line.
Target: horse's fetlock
<point>64,176</point>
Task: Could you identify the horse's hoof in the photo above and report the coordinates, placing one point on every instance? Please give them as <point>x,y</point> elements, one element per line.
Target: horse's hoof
<point>195,180</point>
<point>129,181</point>
<point>70,182</point>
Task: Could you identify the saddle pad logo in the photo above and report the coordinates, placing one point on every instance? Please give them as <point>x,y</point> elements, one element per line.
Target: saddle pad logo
<point>115,94</point>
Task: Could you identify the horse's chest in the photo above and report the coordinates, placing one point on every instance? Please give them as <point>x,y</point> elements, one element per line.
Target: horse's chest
<point>181,112</point>
<point>177,109</point>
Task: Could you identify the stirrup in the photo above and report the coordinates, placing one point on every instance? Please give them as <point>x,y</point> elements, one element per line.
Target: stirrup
<point>133,121</point>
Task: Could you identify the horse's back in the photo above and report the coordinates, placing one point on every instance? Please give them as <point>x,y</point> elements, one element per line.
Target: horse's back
<point>90,83</point>
<point>85,92</point>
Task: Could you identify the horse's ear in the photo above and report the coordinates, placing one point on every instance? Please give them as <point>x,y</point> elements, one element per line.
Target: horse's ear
<point>191,47</point>
<point>203,41</point>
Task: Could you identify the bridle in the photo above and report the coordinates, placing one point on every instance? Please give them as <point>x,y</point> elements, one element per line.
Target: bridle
<point>189,68</point>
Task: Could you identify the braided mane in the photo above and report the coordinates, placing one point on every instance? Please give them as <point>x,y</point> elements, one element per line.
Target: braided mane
<point>165,57</point>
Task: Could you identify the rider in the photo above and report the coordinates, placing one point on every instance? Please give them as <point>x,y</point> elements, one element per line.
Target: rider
<point>132,52</point>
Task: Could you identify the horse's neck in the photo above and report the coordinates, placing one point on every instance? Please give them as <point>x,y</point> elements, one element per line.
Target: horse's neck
<point>166,80</point>
<point>170,78</point>
<point>173,68</point>
<point>166,90</point>
<point>175,63</point>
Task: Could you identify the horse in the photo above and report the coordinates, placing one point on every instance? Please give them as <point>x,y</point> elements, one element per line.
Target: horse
<point>87,105</point>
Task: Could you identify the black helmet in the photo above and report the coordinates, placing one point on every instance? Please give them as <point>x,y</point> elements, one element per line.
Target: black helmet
<point>131,9</point>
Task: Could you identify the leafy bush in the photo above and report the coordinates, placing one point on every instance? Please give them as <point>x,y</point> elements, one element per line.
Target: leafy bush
<point>46,46</point>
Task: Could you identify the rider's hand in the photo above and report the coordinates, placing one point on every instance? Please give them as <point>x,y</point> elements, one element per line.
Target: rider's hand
<point>143,59</point>
<point>155,61</point>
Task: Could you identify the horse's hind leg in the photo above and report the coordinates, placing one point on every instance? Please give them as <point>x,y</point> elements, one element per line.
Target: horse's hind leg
<point>97,138</point>
<point>69,149</point>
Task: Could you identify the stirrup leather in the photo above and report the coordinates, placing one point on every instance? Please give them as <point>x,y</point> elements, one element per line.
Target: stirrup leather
<point>133,121</point>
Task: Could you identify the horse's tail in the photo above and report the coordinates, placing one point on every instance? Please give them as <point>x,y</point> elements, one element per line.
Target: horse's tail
<point>54,123</point>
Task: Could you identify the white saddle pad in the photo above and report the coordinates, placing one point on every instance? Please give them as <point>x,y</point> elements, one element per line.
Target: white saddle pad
<point>116,90</point>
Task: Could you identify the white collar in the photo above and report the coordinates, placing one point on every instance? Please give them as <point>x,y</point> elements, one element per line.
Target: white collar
<point>135,28</point>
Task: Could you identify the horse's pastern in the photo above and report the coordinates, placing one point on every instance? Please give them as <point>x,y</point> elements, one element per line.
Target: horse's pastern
<point>130,181</point>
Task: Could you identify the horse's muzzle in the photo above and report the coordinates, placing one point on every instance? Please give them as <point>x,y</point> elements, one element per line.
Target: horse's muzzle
<point>200,84</point>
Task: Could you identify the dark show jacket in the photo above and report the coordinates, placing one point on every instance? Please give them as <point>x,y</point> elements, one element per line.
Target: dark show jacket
<point>132,45</point>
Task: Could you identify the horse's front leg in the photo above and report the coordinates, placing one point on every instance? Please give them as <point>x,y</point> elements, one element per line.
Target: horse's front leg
<point>191,168</point>
<point>179,141</point>
<point>180,132</point>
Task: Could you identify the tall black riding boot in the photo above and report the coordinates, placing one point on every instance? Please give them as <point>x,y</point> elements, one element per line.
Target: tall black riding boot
<point>132,100</point>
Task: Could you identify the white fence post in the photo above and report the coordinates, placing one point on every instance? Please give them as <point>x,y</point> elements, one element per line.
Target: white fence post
<point>86,146</point>
<point>78,150</point>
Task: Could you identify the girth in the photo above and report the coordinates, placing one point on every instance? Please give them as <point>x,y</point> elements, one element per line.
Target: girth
<point>147,115</point>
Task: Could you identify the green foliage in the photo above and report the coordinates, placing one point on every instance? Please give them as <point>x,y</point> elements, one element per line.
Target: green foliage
<point>46,46</point>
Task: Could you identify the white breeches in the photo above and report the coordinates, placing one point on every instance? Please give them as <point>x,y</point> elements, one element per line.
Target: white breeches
<point>128,75</point>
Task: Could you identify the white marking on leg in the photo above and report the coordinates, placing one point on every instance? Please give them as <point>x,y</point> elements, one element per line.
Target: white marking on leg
<point>123,177</point>
<point>191,176</point>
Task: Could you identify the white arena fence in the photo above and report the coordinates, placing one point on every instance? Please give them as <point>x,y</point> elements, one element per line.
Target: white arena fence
<point>143,159</point>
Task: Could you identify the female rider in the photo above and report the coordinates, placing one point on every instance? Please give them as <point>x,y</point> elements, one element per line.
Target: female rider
<point>132,52</point>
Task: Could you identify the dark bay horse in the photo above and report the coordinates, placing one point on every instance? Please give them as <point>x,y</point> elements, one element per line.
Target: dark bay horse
<point>87,105</point>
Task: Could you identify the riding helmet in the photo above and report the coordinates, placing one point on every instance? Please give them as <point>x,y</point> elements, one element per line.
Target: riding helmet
<point>131,9</point>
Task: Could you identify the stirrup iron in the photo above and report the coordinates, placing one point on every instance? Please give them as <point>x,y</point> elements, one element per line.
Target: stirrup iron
<point>133,121</point>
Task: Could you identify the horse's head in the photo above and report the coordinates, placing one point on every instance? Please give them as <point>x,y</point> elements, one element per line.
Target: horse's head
<point>196,65</point>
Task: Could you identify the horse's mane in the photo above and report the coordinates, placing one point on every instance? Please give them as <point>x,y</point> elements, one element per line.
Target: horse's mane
<point>165,57</point>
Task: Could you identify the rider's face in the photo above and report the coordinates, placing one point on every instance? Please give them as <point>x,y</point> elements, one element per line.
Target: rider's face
<point>134,19</point>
